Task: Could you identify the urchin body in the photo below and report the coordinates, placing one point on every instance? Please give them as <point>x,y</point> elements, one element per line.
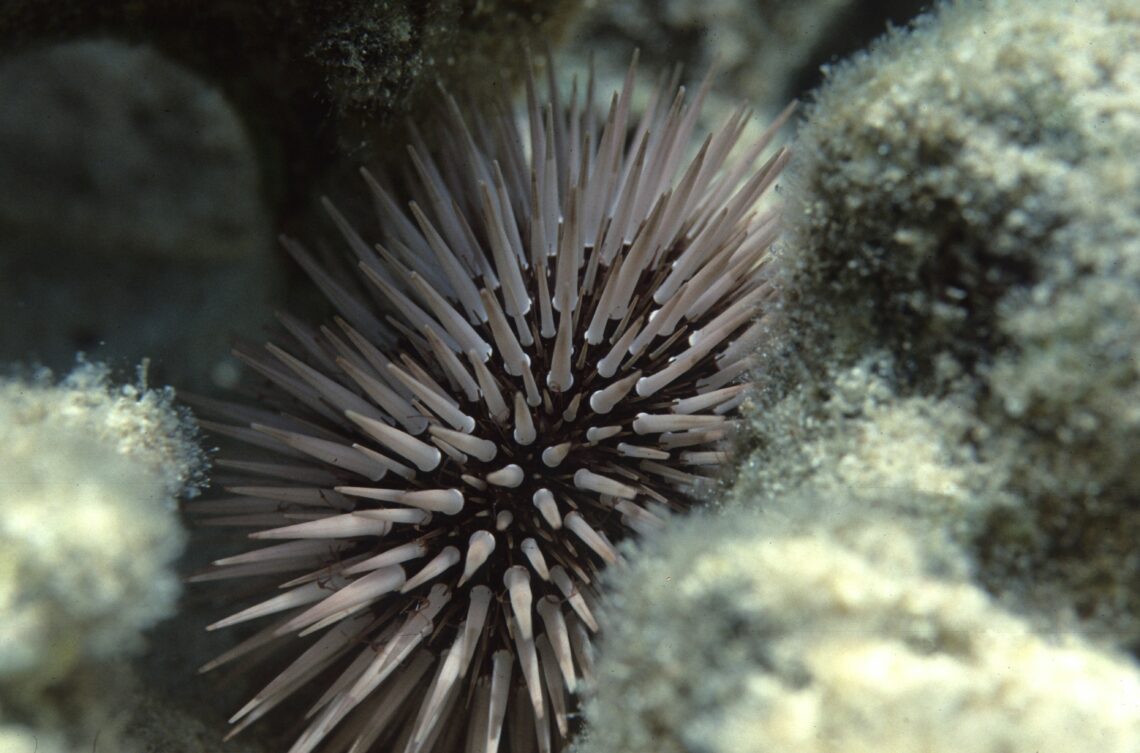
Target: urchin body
<point>540,356</point>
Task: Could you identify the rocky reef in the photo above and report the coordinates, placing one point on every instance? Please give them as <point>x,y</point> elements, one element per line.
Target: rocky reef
<point>965,201</point>
<point>932,542</point>
<point>89,533</point>
<point>929,540</point>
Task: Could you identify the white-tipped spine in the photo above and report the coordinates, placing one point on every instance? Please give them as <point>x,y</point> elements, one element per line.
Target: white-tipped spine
<point>604,400</point>
<point>533,554</point>
<point>423,456</point>
<point>509,476</point>
<point>560,378</point>
<point>544,501</point>
<point>446,501</point>
<point>492,396</point>
<point>553,456</point>
<point>587,480</point>
<point>525,432</point>
<point>649,423</point>
<point>480,545</point>
<point>483,449</point>
<point>438,565</point>
<point>517,581</point>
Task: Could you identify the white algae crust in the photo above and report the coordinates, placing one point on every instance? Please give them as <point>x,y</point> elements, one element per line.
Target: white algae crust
<point>967,200</point>
<point>820,625</point>
<point>89,477</point>
<point>951,168</point>
<point>932,541</point>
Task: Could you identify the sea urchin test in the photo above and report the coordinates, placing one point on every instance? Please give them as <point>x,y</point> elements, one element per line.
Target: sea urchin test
<point>539,357</point>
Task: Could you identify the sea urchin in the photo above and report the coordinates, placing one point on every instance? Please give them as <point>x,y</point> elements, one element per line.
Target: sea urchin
<point>540,357</point>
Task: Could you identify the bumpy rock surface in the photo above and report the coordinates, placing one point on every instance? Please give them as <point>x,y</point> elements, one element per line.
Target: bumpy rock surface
<point>828,624</point>
<point>969,201</point>
<point>932,544</point>
<point>88,535</point>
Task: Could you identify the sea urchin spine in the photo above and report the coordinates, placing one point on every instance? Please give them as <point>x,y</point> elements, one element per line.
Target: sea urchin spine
<point>539,358</point>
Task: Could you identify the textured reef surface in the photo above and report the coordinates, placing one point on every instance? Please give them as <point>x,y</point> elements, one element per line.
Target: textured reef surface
<point>928,538</point>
